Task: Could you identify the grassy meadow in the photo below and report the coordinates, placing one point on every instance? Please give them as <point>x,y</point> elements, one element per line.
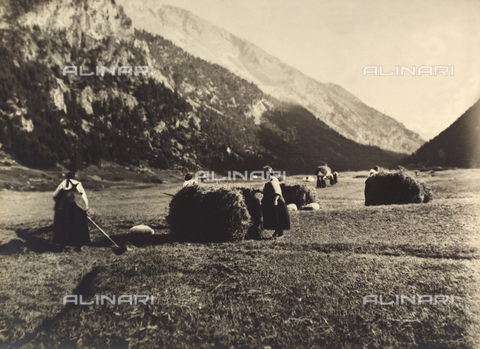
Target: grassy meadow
<point>302,291</point>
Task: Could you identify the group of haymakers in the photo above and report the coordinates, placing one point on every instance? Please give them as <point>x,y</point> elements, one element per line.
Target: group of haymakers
<point>70,223</point>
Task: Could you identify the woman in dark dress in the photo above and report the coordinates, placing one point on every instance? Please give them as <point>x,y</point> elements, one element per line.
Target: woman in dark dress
<point>274,209</point>
<point>70,225</point>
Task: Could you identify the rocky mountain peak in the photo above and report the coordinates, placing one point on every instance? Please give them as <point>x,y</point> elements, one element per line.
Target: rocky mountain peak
<point>330,103</point>
<point>97,19</point>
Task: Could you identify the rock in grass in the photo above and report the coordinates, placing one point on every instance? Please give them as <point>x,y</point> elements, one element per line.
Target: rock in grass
<point>311,207</point>
<point>141,229</point>
<point>395,187</point>
<point>292,207</point>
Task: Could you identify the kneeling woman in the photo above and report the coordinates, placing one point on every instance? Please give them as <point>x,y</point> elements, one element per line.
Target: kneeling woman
<point>274,209</point>
<point>70,225</point>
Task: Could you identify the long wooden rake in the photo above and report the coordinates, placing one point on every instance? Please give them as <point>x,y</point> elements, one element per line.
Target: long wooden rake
<point>109,238</point>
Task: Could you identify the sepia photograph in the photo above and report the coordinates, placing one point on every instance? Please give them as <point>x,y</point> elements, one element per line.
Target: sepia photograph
<point>239,174</point>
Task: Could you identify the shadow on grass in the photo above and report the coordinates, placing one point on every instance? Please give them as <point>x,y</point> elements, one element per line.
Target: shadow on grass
<point>39,240</point>
<point>34,240</point>
<point>137,239</point>
<point>47,326</point>
<point>129,241</point>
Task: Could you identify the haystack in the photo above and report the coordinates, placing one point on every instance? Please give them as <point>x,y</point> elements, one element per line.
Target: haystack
<point>395,187</point>
<point>324,170</point>
<point>298,194</point>
<point>254,210</point>
<point>210,213</point>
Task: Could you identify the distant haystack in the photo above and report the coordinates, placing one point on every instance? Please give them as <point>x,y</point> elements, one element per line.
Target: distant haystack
<point>395,187</point>
<point>323,174</point>
<point>298,194</point>
<point>211,213</point>
<point>324,170</point>
<point>374,171</point>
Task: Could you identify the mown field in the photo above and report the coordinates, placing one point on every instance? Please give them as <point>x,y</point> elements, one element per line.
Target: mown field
<point>305,290</point>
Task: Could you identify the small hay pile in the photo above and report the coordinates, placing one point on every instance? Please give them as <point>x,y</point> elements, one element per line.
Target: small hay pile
<point>298,194</point>
<point>395,187</point>
<point>210,213</point>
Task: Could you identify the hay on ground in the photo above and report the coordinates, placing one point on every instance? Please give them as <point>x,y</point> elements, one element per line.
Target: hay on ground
<point>141,229</point>
<point>311,207</point>
<point>210,213</point>
<point>395,187</point>
<point>298,194</point>
<point>292,207</point>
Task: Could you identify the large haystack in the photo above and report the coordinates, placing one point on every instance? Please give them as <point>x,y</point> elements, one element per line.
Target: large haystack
<point>395,187</point>
<point>255,211</point>
<point>298,194</point>
<point>210,213</point>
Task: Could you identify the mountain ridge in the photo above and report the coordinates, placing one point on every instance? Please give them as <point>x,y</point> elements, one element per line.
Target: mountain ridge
<point>456,146</point>
<point>343,112</point>
<point>191,114</point>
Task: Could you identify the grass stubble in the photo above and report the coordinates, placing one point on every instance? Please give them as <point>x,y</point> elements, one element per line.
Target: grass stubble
<point>303,291</point>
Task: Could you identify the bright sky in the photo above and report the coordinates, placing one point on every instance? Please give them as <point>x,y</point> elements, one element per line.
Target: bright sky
<point>332,41</point>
